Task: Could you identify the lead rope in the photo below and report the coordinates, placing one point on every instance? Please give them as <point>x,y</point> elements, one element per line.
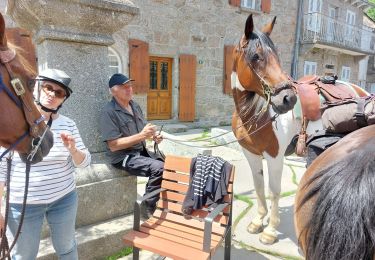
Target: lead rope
<point>4,246</point>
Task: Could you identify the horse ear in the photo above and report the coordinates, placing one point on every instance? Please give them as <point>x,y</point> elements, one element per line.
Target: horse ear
<point>269,27</point>
<point>249,27</point>
<point>3,40</point>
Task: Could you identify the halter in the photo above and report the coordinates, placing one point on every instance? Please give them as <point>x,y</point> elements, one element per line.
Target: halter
<point>267,90</point>
<point>21,101</point>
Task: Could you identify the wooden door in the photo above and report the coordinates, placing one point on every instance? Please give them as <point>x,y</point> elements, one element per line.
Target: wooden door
<point>139,65</point>
<point>188,67</point>
<point>159,95</point>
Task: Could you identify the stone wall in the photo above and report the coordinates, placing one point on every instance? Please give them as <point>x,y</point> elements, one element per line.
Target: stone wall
<point>202,28</point>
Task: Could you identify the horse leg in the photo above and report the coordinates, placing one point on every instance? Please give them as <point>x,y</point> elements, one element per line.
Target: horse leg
<point>275,169</point>
<point>255,162</point>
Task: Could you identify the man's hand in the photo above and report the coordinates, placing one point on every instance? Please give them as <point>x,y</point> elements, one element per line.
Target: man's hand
<point>148,131</point>
<point>157,138</point>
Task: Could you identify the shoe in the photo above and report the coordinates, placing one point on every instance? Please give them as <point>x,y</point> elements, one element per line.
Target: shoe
<point>146,211</point>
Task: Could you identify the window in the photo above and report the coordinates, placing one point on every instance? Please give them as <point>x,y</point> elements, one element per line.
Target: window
<point>345,73</point>
<point>372,88</point>
<point>314,15</point>
<point>251,4</point>
<point>309,68</point>
<point>114,62</point>
<point>349,28</point>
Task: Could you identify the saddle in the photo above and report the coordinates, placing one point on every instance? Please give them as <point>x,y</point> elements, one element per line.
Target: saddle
<point>309,89</point>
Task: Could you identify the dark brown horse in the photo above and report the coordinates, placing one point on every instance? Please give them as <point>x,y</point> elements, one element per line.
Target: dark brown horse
<point>21,124</point>
<point>335,203</point>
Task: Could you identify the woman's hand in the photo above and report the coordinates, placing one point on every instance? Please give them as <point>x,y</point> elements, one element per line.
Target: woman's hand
<point>69,142</point>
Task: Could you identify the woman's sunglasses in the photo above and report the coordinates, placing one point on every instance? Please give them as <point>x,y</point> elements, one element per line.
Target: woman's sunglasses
<point>59,93</point>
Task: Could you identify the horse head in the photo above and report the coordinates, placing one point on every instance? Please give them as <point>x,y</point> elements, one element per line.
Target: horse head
<point>22,126</point>
<point>257,68</point>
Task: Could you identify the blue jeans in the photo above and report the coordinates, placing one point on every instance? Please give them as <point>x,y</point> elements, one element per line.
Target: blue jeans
<point>60,215</point>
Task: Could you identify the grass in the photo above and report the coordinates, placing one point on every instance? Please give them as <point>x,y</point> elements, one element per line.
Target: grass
<point>204,135</point>
<point>124,252</point>
<point>268,252</point>
<point>245,211</point>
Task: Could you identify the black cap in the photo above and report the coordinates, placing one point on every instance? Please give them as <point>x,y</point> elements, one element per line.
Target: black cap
<point>118,79</point>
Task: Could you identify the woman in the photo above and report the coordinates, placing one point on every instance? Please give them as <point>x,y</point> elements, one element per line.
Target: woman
<point>52,191</point>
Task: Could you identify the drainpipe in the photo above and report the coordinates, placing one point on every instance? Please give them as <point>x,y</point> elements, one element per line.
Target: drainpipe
<point>294,67</point>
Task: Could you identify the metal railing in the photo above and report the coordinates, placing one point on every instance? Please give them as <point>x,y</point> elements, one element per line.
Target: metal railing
<point>319,28</point>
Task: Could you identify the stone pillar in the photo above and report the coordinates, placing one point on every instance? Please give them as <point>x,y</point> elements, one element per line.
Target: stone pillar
<point>74,36</point>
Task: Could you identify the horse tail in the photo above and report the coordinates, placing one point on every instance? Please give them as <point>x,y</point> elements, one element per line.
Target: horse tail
<point>342,224</point>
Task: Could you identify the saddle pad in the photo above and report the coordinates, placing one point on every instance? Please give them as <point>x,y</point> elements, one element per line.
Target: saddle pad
<point>310,101</point>
<point>336,92</point>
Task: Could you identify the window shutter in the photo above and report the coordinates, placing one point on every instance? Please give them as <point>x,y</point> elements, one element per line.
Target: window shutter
<point>22,38</point>
<point>228,67</point>
<point>187,68</point>
<point>139,65</point>
<point>266,6</point>
<point>235,2</point>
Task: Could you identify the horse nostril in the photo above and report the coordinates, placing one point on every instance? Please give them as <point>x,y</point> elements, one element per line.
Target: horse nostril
<point>286,100</point>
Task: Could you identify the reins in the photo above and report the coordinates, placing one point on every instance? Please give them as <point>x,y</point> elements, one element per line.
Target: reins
<point>20,100</point>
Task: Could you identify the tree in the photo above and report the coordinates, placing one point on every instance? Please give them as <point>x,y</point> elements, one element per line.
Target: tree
<point>371,12</point>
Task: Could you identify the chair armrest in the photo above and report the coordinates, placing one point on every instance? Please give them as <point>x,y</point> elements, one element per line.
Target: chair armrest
<point>137,207</point>
<point>208,225</point>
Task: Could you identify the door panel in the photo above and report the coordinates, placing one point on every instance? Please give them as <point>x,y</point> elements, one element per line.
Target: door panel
<point>159,98</point>
<point>187,67</point>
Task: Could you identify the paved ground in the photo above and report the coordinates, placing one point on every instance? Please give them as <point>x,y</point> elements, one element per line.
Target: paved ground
<point>246,245</point>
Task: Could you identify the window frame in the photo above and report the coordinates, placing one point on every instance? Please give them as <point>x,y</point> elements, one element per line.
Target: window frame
<point>113,52</point>
<point>310,63</point>
<point>346,70</point>
<point>255,8</point>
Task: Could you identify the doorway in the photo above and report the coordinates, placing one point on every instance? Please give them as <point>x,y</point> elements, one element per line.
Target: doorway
<point>159,96</point>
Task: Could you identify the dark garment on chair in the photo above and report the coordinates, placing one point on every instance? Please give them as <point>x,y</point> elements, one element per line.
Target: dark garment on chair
<point>209,177</point>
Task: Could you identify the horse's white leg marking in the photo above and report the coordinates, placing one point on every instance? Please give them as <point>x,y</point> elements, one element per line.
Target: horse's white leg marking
<point>255,162</point>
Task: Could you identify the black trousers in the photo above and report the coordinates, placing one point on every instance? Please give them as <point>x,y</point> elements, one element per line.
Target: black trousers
<point>145,166</point>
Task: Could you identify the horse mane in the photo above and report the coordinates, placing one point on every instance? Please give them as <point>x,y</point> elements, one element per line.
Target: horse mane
<point>20,52</point>
<point>258,38</point>
<point>342,223</point>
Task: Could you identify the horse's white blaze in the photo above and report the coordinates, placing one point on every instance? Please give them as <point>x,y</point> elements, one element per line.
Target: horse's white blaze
<point>235,82</point>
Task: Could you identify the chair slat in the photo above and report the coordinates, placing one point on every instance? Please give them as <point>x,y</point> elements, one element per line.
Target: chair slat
<point>174,186</point>
<point>163,247</point>
<point>177,163</point>
<point>175,176</point>
<point>177,228</point>
<point>162,215</point>
<point>168,195</point>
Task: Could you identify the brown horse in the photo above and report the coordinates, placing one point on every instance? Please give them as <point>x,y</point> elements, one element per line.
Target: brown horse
<point>262,93</point>
<point>335,206</point>
<point>21,124</point>
<point>263,121</point>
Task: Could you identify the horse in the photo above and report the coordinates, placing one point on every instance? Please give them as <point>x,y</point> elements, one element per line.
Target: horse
<point>334,215</point>
<point>22,127</point>
<point>263,121</point>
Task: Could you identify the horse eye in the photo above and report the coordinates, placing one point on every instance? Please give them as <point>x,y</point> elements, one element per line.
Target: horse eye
<point>255,57</point>
<point>31,83</point>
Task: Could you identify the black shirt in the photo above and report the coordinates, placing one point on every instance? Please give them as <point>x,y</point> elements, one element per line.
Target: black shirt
<point>117,122</point>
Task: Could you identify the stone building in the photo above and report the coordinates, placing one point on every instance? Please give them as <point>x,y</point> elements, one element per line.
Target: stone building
<point>370,65</point>
<point>178,43</point>
<point>333,40</point>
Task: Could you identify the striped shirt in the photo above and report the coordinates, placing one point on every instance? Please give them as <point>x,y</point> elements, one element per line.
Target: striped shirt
<point>51,178</point>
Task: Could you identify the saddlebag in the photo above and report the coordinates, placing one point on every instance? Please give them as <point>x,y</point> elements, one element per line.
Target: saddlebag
<point>348,115</point>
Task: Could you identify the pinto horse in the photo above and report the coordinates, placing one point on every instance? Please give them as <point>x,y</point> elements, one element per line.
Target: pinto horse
<point>22,127</point>
<point>263,121</point>
<point>334,215</point>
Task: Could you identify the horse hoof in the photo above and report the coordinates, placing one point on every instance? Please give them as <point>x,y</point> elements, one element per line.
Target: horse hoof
<point>254,229</point>
<point>267,239</point>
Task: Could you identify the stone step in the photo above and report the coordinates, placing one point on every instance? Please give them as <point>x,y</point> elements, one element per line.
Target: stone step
<point>95,241</point>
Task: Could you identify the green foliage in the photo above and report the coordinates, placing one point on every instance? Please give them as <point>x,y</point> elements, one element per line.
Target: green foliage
<point>371,11</point>
<point>124,252</point>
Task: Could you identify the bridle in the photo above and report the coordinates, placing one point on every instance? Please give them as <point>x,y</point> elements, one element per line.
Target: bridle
<point>20,99</point>
<point>267,89</point>
<point>23,103</point>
